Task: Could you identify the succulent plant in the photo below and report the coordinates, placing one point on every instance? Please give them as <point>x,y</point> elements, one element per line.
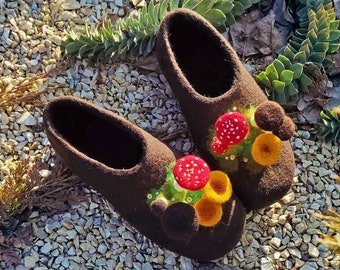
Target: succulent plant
<point>329,124</point>
<point>316,38</point>
<point>136,34</point>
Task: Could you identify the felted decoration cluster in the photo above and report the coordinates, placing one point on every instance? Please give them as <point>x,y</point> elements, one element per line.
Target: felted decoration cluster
<point>192,195</point>
<point>253,134</point>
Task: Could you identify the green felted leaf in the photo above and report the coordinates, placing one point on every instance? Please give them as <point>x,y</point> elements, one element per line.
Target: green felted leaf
<point>333,48</point>
<point>238,9</point>
<point>321,47</point>
<point>72,48</point>
<point>175,4</point>
<point>285,61</point>
<point>289,53</point>
<point>324,115</point>
<point>295,45</point>
<point>305,48</point>
<point>317,57</point>
<point>163,9</point>
<point>279,66</point>
<point>307,43</point>
<point>150,45</point>
<point>278,86</point>
<point>215,17</point>
<point>83,40</point>
<point>333,25</point>
<point>334,35</point>
<point>305,81</point>
<point>300,57</point>
<point>224,5</point>
<point>297,39</point>
<point>301,32</point>
<point>271,72</point>
<point>292,90</point>
<point>84,50</point>
<point>311,35</point>
<point>279,97</point>
<point>230,19</point>
<point>323,35</point>
<point>152,12</point>
<point>313,26</point>
<point>324,24</point>
<point>327,63</point>
<point>190,4</point>
<point>286,76</point>
<point>204,6</point>
<point>263,79</point>
<point>245,3</point>
<point>297,69</point>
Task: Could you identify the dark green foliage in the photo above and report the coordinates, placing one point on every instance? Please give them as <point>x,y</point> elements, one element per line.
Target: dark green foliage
<point>136,34</point>
<point>316,38</point>
<point>329,125</point>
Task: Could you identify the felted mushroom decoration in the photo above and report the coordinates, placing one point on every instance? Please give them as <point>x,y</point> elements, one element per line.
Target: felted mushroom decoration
<point>231,129</point>
<point>191,172</point>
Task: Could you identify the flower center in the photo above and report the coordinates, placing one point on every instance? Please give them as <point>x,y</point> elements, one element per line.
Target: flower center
<point>218,187</point>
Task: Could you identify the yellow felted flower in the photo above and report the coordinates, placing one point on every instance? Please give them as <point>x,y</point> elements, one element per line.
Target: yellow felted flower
<point>209,213</point>
<point>266,149</point>
<point>218,189</point>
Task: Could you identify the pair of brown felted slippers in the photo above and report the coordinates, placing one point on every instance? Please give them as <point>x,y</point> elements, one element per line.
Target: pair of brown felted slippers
<point>194,206</point>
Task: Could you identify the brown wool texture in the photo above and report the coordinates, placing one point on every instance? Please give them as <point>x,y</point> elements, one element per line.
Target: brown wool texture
<point>123,163</point>
<point>207,79</point>
<point>269,116</point>
<point>286,130</point>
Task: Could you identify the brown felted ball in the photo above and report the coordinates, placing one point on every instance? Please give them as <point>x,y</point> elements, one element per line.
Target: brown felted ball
<point>158,207</point>
<point>286,130</point>
<point>180,221</point>
<point>269,115</point>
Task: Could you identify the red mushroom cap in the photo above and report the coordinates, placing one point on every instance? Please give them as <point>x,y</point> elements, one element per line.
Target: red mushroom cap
<point>191,172</point>
<point>218,147</point>
<point>231,128</point>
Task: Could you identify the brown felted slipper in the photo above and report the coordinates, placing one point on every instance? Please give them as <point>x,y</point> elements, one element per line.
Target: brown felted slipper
<point>127,164</point>
<point>209,80</point>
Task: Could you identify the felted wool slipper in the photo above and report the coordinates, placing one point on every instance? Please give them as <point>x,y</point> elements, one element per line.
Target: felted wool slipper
<point>216,95</point>
<point>136,173</point>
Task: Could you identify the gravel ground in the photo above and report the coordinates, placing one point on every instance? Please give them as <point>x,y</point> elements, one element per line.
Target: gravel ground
<point>91,235</point>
